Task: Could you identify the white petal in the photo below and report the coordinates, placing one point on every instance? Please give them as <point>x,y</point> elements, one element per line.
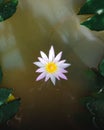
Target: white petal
<point>44,56</point>
<point>41,76</point>
<point>61,70</point>
<point>64,65</point>
<point>47,77</point>
<point>58,57</point>
<point>40,70</point>
<point>57,76</point>
<point>61,62</point>
<point>62,76</point>
<point>39,64</point>
<point>42,60</point>
<point>51,53</point>
<point>53,79</point>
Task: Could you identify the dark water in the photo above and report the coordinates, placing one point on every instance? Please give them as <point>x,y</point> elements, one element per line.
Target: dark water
<point>36,26</point>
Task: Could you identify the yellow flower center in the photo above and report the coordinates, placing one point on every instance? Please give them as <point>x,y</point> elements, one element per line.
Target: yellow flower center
<point>51,67</point>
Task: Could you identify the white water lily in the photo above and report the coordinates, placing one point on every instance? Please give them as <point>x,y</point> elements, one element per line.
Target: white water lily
<point>51,67</point>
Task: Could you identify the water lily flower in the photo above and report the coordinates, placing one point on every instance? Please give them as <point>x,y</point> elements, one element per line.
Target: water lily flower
<point>51,67</point>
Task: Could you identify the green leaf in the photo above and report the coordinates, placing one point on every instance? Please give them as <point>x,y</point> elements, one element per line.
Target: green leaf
<point>95,105</point>
<point>1,75</point>
<point>4,94</point>
<point>8,110</point>
<point>95,23</point>
<point>91,6</point>
<point>7,9</point>
<point>95,7</point>
<point>90,74</point>
<point>1,1</point>
<point>96,108</point>
<point>86,100</point>
<point>95,80</point>
<point>101,67</point>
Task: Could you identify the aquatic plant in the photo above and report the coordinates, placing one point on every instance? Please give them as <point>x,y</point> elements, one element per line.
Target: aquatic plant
<point>9,105</point>
<point>51,67</point>
<point>7,8</point>
<point>95,101</point>
<point>94,8</point>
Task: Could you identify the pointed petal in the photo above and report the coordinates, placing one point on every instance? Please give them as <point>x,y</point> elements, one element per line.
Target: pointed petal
<point>61,62</point>
<point>47,77</point>
<point>51,53</point>
<point>41,60</point>
<point>61,70</point>
<point>53,79</point>
<point>41,76</point>
<point>39,64</point>
<point>62,76</point>
<point>40,70</point>
<point>64,65</point>
<point>58,57</point>
<point>44,56</point>
<point>57,76</point>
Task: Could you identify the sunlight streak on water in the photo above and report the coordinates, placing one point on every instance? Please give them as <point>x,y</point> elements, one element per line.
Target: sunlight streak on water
<point>63,20</point>
<point>11,57</point>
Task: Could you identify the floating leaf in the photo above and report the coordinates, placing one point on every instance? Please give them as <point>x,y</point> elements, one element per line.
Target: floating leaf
<point>1,1</point>
<point>95,80</point>
<point>91,6</point>
<point>7,9</point>
<point>4,94</point>
<point>96,108</point>
<point>9,105</point>
<point>8,110</point>
<point>95,23</point>
<point>95,105</point>
<point>101,67</point>
<point>90,74</point>
<point>95,7</point>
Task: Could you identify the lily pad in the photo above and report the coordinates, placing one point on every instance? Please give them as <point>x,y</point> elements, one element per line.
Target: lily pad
<point>1,1</point>
<point>96,20</point>
<point>91,6</point>
<point>96,108</point>
<point>7,8</point>
<point>9,105</point>
<point>95,23</point>
<point>8,110</point>
<point>101,67</point>
<point>4,94</point>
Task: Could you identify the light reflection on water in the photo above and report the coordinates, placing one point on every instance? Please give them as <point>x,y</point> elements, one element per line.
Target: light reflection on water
<point>35,26</point>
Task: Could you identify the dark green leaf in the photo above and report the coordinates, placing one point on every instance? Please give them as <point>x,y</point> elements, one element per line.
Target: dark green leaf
<point>90,74</point>
<point>4,94</point>
<point>95,80</point>
<point>95,7</point>
<point>101,67</point>
<point>8,110</point>
<point>92,6</point>
<point>95,23</point>
<point>96,108</point>
<point>86,100</point>
<point>99,80</point>
<point>1,1</point>
<point>7,9</point>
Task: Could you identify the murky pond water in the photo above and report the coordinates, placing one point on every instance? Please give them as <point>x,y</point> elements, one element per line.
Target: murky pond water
<point>36,26</point>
